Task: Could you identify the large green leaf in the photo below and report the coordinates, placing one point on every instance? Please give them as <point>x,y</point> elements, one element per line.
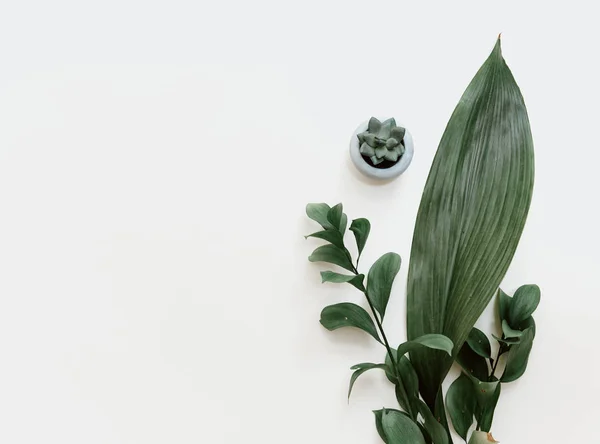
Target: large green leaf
<point>518,357</point>
<point>471,215</point>
<point>380,280</point>
<point>361,229</point>
<point>524,303</point>
<point>332,255</point>
<point>347,314</point>
<point>461,403</point>
<point>359,369</point>
<point>399,428</point>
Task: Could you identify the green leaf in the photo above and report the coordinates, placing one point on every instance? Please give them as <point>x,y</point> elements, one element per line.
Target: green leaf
<point>367,150</point>
<point>485,413</point>
<point>518,357</point>
<point>376,160</point>
<point>435,430</point>
<point>380,280</point>
<point>379,426</point>
<point>334,216</point>
<point>361,229</point>
<point>399,428</point>
<point>524,303</point>
<point>360,369</point>
<point>473,364</point>
<point>332,236</point>
<point>506,341</point>
<point>479,343</point>
<point>318,212</point>
<point>337,278</point>
<point>374,125</point>
<point>471,215</point>
<point>440,413</point>
<point>432,341</point>
<point>343,224</point>
<point>391,155</point>
<point>398,133</point>
<point>509,333</point>
<point>380,152</point>
<point>504,302</point>
<point>407,389</point>
<point>461,403</point>
<point>386,128</point>
<point>333,255</point>
<point>347,314</point>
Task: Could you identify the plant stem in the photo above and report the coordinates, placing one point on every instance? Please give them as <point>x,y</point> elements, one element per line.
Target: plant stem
<point>385,343</point>
<point>501,351</point>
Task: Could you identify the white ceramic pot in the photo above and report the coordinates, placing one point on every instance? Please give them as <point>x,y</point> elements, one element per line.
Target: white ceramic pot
<point>380,173</point>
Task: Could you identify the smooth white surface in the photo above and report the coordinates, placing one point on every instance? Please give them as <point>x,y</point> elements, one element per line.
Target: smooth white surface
<point>155,160</point>
<point>381,173</point>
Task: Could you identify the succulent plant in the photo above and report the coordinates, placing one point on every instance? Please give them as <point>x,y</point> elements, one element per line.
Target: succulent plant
<point>382,141</point>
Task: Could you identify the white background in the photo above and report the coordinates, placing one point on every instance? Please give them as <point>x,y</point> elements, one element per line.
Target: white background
<point>155,161</point>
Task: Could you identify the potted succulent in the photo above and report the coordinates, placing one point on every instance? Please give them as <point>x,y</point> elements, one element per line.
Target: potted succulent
<point>381,149</point>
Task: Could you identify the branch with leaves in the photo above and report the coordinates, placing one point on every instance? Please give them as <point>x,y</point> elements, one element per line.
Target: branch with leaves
<point>405,424</point>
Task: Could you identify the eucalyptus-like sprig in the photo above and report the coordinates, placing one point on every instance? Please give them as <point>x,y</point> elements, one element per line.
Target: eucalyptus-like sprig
<point>414,421</point>
<point>475,393</point>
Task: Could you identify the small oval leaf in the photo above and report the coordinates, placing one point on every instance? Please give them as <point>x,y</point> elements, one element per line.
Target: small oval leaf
<point>479,343</point>
<point>472,363</point>
<point>435,430</point>
<point>399,428</point>
<point>524,303</point>
<point>318,212</point>
<point>461,403</point>
<point>361,229</point>
<point>380,280</point>
<point>359,370</point>
<point>518,357</point>
<point>347,314</point>
<point>332,236</point>
<point>332,255</point>
<point>510,333</point>
<point>334,216</point>
<point>338,278</point>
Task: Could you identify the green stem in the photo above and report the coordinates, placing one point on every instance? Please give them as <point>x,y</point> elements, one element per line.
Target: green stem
<point>501,351</point>
<point>386,344</point>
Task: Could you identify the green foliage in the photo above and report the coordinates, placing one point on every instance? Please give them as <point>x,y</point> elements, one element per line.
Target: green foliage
<point>469,223</point>
<point>359,370</point>
<point>347,314</point>
<point>471,215</point>
<point>461,404</point>
<point>399,428</point>
<point>380,280</point>
<point>382,141</point>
